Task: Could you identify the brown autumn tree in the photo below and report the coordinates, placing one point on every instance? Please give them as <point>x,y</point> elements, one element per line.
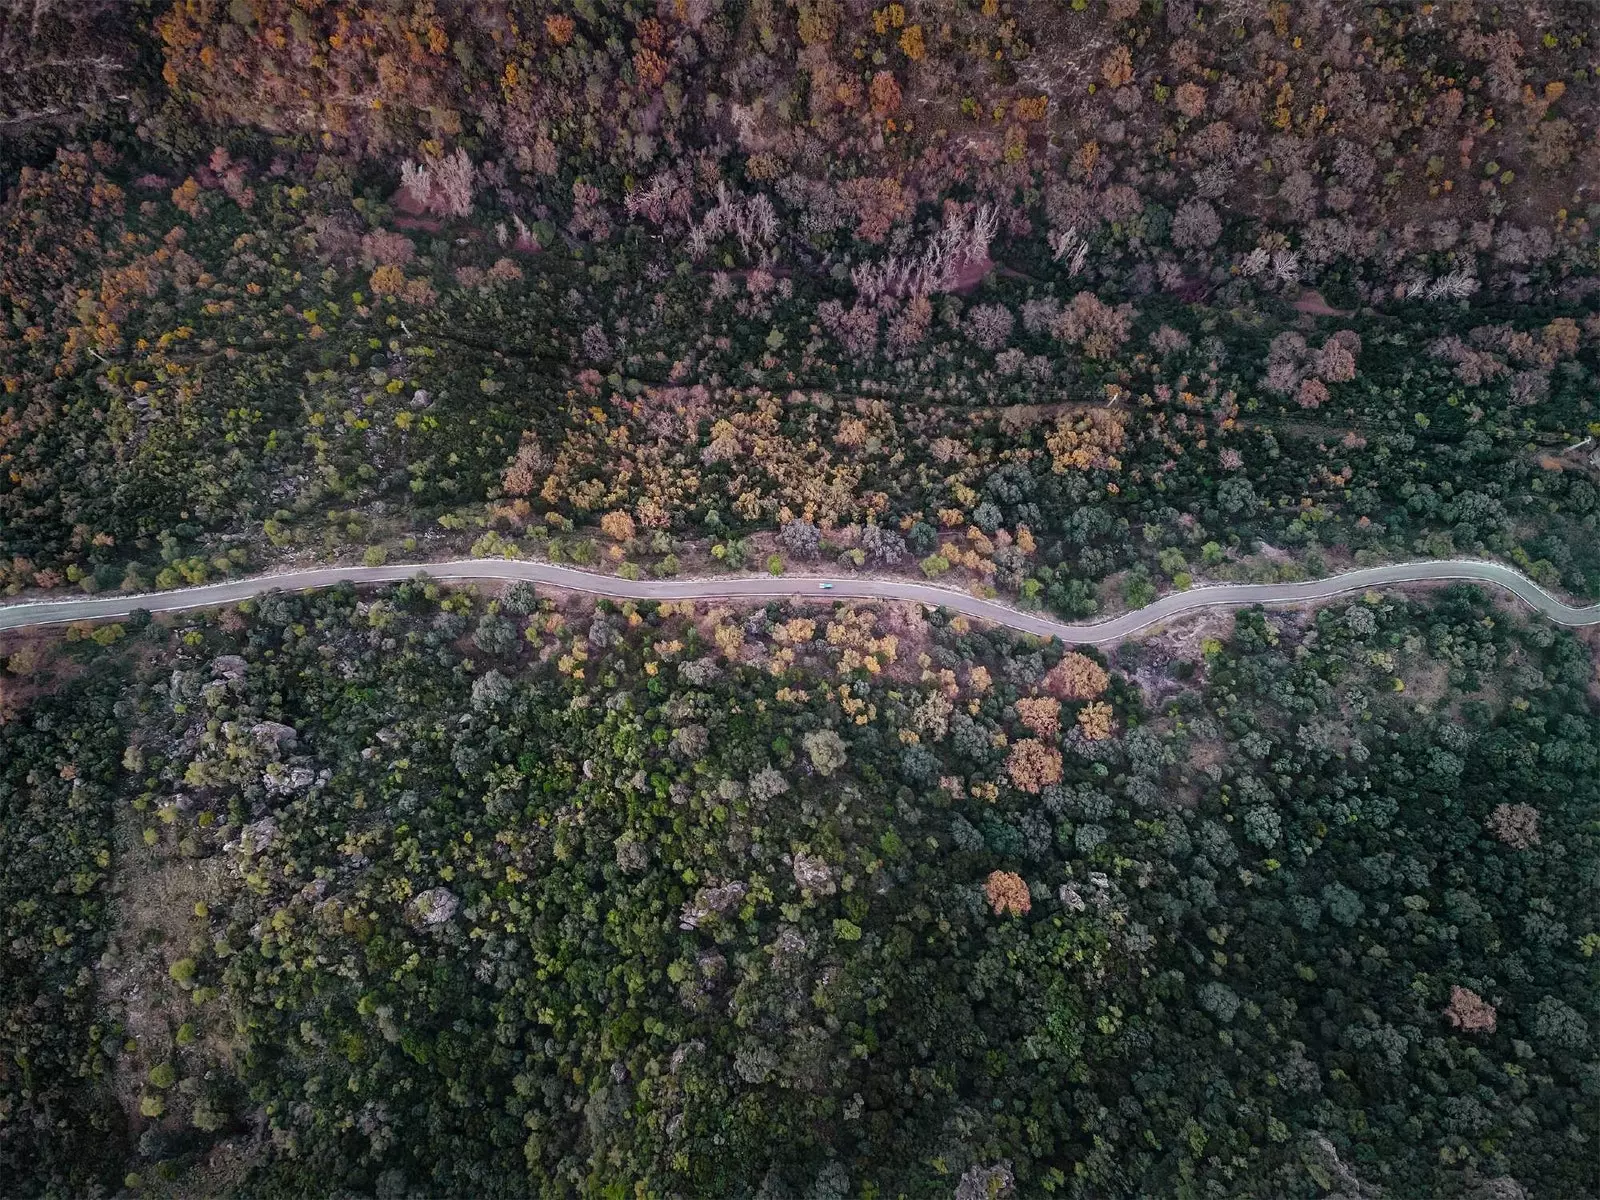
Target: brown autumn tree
<point>650,67</point>
<point>1335,363</point>
<point>1041,714</point>
<point>1117,69</point>
<point>1095,721</point>
<point>1008,893</point>
<point>387,281</point>
<point>884,94</point>
<point>1033,766</point>
<point>1190,99</point>
<point>1077,677</point>
<point>617,525</point>
<point>1470,1012</point>
<point>560,28</point>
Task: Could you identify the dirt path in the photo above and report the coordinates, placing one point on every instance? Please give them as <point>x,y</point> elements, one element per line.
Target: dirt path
<point>22,614</point>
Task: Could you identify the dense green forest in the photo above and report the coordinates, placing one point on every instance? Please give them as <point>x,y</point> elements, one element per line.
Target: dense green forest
<point>433,894</point>
<point>60,774</point>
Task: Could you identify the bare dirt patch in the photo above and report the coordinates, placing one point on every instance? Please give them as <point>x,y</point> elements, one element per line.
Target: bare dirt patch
<point>155,920</point>
<point>1427,682</point>
<point>1311,301</point>
<point>971,274</point>
<point>1182,637</point>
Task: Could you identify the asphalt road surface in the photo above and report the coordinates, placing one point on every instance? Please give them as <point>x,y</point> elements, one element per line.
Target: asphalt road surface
<point>26,613</point>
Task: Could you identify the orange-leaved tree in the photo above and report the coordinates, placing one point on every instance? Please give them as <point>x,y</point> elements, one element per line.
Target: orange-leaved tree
<point>1033,766</point>
<point>1008,893</point>
<point>1077,677</point>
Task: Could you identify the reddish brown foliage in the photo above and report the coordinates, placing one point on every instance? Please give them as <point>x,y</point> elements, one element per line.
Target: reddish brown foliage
<point>650,67</point>
<point>1095,721</point>
<point>1033,766</point>
<point>560,28</point>
<point>879,203</point>
<point>1469,1011</point>
<point>1190,99</point>
<point>651,34</point>
<point>1008,893</point>
<point>1077,677</point>
<point>1041,714</point>
<point>884,94</point>
<point>1118,67</point>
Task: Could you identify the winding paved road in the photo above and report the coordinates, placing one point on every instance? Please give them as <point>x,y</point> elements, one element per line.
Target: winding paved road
<point>22,614</point>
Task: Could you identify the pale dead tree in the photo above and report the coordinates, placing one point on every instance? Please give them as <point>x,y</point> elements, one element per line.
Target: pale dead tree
<point>870,280</point>
<point>417,180</point>
<point>938,266</point>
<point>751,220</point>
<point>985,224</point>
<point>1286,267</point>
<point>1069,243</point>
<point>1469,1011</point>
<point>896,276</point>
<point>762,219</point>
<point>1457,285</point>
<point>714,224</point>
<point>743,118</point>
<point>755,225</point>
<point>1254,263</point>
<point>650,202</point>
<point>443,186</point>
<point>1517,825</point>
<point>453,181</point>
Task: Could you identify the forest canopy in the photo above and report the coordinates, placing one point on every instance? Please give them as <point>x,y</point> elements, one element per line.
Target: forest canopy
<point>422,893</point>
<point>432,892</point>
<point>1075,301</point>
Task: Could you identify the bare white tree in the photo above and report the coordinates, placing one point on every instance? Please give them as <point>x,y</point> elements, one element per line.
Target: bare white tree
<point>1457,285</point>
<point>417,180</point>
<point>750,219</point>
<point>453,181</point>
<point>985,224</point>
<point>937,267</point>
<point>1069,243</point>
<point>443,186</point>
<point>650,201</point>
